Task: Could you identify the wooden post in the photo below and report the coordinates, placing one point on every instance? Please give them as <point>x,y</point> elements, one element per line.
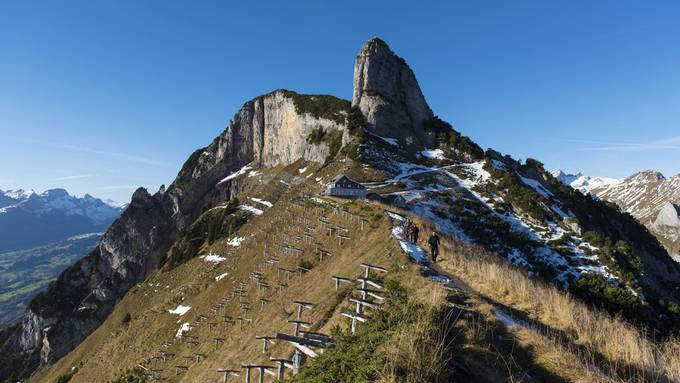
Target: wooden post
<point>228,320</point>
<point>356,317</point>
<point>266,340</point>
<point>261,370</point>
<point>301,305</point>
<point>263,302</point>
<point>368,281</point>
<point>282,363</point>
<point>297,361</point>
<point>247,368</point>
<point>180,369</point>
<point>241,320</point>
<point>362,222</point>
<point>156,374</point>
<point>302,270</point>
<point>227,373</point>
<point>342,239</point>
<point>323,253</point>
<point>339,280</point>
<point>218,342</point>
<point>368,268</point>
<point>244,309</point>
<point>192,342</point>
<point>365,293</point>
<point>361,303</point>
<point>298,324</point>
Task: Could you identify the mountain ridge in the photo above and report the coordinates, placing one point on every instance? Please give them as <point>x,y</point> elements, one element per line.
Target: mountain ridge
<point>54,213</point>
<point>646,195</point>
<point>517,211</point>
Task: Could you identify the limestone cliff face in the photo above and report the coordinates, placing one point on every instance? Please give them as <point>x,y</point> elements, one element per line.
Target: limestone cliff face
<point>387,93</point>
<point>669,215</point>
<point>666,227</point>
<point>267,131</point>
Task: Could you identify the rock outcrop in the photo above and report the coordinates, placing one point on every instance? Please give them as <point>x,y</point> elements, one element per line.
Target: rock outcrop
<point>666,227</point>
<point>669,216</point>
<point>387,93</point>
<point>269,130</point>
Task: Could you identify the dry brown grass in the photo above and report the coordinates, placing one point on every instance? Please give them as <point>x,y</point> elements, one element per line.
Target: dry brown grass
<point>621,350</point>
<point>567,338</point>
<point>421,351</point>
<point>112,350</point>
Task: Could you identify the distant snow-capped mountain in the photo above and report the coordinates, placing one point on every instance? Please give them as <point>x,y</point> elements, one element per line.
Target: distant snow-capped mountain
<point>584,183</point>
<point>29,219</point>
<point>649,196</point>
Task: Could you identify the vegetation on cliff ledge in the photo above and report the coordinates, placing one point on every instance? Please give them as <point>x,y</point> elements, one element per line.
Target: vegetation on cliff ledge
<point>320,105</point>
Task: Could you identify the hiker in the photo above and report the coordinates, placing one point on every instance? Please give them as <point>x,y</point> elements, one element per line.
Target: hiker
<point>415,232</point>
<point>434,246</point>
<point>409,230</point>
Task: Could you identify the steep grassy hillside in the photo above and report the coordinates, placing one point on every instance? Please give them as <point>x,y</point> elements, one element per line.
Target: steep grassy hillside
<point>487,325</point>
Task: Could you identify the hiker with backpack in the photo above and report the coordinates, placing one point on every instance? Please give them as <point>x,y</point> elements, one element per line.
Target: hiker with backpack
<point>414,234</point>
<point>434,246</point>
<point>409,230</point>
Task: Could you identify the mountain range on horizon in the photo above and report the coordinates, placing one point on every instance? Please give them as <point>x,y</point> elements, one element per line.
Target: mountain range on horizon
<point>41,234</point>
<point>649,196</point>
<point>29,219</point>
<point>247,233</point>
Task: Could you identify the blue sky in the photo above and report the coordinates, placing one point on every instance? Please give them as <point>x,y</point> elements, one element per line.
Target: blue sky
<point>104,96</point>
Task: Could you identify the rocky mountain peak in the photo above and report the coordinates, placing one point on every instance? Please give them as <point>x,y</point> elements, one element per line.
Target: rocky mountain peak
<point>387,93</point>
<point>646,176</point>
<point>55,193</point>
<point>17,194</point>
<point>565,178</point>
<point>141,194</point>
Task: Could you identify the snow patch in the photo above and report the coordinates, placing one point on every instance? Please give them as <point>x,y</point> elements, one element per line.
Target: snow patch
<point>236,241</point>
<point>389,140</point>
<point>586,184</point>
<point>412,250</point>
<point>507,320</point>
<point>221,276</point>
<point>263,202</point>
<point>302,170</point>
<point>235,174</point>
<point>324,202</point>
<point>538,188</point>
<point>180,310</point>
<point>183,330</point>
<point>214,258</point>
<point>251,209</point>
<point>433,154</point>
